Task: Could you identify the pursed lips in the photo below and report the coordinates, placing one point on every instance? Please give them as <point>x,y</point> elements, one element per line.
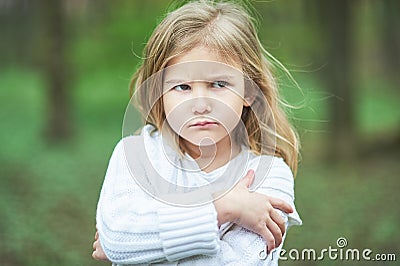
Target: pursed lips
<point>203,123</point>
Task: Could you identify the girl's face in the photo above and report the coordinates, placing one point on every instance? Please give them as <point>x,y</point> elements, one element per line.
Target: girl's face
<point>203,96</point>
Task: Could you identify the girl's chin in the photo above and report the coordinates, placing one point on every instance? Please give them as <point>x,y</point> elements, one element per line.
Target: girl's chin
<point>200,143</point>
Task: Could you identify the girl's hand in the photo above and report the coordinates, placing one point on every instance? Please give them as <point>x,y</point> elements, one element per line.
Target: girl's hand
<point>253,211</point>
<point>98,253</point>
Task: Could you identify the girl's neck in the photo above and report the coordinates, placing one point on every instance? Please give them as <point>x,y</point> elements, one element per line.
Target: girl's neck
<point>211,157</point>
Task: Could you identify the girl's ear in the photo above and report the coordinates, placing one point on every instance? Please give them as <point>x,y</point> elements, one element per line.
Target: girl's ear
<point>248,100</point>
<point>250,92</point>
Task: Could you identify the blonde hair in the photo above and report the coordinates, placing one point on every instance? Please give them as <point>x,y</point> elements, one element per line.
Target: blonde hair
<point>229,29</point>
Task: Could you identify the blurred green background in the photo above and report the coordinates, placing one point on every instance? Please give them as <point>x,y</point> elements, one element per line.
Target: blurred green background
<point>64,73</point>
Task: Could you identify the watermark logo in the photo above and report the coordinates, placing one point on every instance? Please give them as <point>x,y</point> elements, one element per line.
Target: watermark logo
<point>340,252</point>
<point>341,242</point>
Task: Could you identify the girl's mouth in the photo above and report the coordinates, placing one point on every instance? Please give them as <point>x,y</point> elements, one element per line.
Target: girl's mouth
<point>204,124</point>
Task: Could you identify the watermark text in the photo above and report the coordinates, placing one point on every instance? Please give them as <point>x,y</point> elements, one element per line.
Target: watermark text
<point>339,252</point>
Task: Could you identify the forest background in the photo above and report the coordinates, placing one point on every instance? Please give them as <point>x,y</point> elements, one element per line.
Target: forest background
<point>64,73</point>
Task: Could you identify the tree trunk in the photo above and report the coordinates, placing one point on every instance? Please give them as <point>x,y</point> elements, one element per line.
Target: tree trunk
<point>336,23</point>
<point>391,37</point>
<point>58,125</point>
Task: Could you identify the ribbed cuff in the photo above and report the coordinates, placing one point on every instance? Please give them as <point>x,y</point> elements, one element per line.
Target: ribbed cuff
<point>187,232</point>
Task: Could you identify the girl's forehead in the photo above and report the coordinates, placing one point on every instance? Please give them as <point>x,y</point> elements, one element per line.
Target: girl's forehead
<point>203,53</point>
<point>201,70</point>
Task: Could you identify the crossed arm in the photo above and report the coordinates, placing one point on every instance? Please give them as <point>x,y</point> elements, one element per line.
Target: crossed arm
<point>122,226</point>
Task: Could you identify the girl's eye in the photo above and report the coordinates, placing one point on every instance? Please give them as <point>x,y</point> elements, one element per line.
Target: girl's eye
<point>219,84</point>
<point>181,87</point>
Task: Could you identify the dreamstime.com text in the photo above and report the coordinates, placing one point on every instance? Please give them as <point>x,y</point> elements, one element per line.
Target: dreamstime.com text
<point>340,252</point>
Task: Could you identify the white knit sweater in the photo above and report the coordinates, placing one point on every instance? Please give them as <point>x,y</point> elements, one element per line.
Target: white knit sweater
<point>135,227</point>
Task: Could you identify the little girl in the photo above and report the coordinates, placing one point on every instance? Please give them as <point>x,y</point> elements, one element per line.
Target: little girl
<point>209,179</point>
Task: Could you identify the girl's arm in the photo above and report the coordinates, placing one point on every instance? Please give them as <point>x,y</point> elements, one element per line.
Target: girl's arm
<point>240,246</point>
<point>254,211</point>
<point>135,228</point>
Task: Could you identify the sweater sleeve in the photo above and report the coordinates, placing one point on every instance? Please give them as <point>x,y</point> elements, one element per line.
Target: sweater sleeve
<point>239,246</point>
<point>136,228</point>
<point>277,181</point>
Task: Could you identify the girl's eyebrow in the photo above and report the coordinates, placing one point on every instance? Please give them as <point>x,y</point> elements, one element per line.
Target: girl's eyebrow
<point>223,77</point>
<point>175,81</point>
<point>212,78</point>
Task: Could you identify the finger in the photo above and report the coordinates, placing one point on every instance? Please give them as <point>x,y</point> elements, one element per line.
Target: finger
<point>96,236</point>
<point>97,255</point>
<point>281,205</point>
<point>268,238</point>
<point>275,231</point>
<point>248,178</point>
<point>278,219</point>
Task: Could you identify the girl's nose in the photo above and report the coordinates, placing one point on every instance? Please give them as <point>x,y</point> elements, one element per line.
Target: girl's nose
<point>201,101</point>
<point>201,105</point>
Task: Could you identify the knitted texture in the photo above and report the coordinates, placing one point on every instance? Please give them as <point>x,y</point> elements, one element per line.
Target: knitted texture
<point>136,228</point>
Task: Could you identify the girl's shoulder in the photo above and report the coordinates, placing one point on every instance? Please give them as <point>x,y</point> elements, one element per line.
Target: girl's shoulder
<point>148,134</point>
<point>146,141</point>
<point>268,166</point>
<point>268,161</point>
